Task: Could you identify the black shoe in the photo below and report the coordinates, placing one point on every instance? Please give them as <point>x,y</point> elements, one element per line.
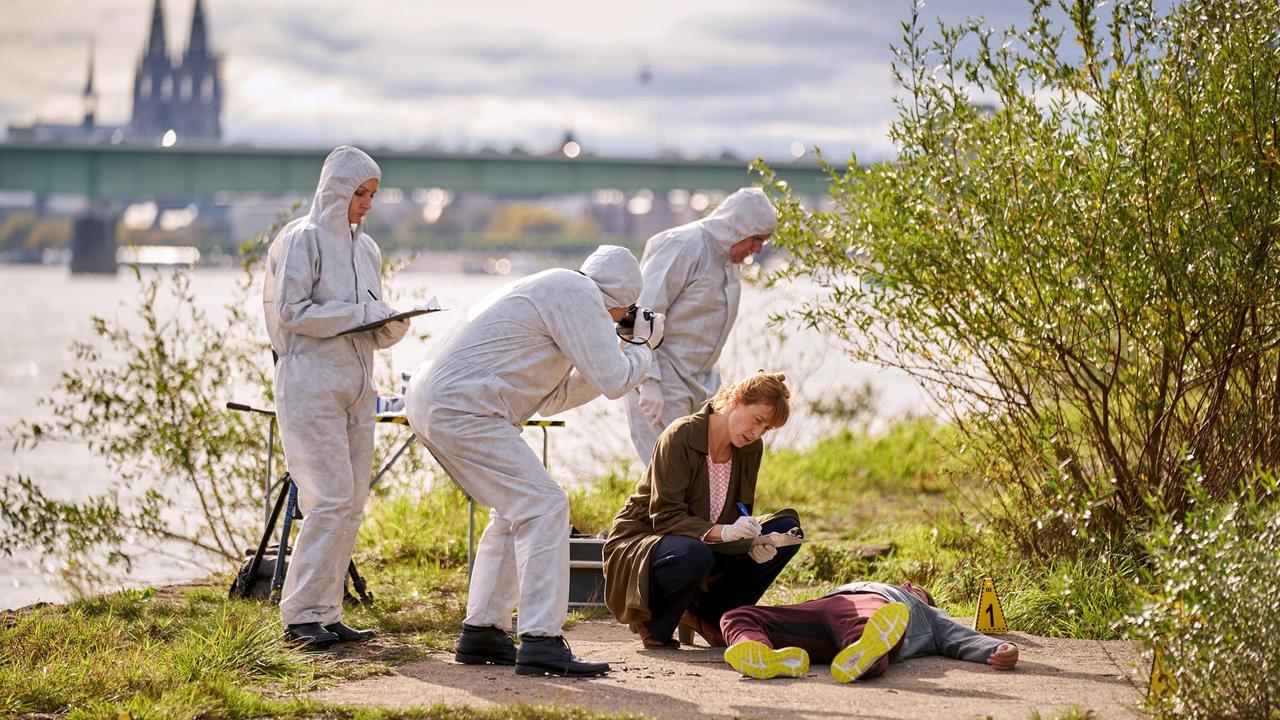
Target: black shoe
<point>485,645</point>
<point>552,656</point>
<point>309,636</point>
<point>346,633</point>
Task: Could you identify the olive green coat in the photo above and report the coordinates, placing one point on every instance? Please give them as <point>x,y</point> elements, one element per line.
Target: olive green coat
<point>673,498</point>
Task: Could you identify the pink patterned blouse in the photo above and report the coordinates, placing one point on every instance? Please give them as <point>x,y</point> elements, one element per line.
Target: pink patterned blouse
<point>718,475</point>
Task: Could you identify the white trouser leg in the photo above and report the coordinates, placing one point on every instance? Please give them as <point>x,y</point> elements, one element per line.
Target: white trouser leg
<point>487,457</point>
<point>329,453</point>
<point>495,584</point>
<point>644,429</point>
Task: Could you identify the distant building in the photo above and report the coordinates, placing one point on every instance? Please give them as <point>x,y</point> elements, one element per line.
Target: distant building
<point>87,130</point>
<point>182,94</point>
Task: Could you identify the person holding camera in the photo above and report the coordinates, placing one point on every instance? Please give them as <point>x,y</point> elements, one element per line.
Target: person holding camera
<point>544,344</point>
<point>323,279</point>
<point>680,551</point>
<point>691,275</point>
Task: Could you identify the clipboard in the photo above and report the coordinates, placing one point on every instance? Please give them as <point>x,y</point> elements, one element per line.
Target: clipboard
<point>398,316</point>
<point>778,539</point>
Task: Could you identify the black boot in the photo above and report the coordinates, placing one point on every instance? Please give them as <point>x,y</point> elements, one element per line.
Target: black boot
<point>309,636</point>
<point>552,656</point>
<point>485,645</point>
<point>347,633</point>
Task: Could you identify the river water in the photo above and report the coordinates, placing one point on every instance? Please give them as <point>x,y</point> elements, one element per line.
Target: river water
<point>47,310</point>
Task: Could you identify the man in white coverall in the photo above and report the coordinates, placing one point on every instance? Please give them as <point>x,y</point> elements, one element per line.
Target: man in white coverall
<point>542,345</point>
<point>324,277</point>
<point>691,276</point>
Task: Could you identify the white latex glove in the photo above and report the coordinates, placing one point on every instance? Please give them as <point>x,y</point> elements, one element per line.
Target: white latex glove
<point>744,528</point>
<point>763,553</point>
<point>651,399</point>
<point>655,337</point>
<point>377,310</point>
<point>397,329</point>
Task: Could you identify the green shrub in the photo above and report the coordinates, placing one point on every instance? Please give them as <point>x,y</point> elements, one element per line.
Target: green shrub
<point>1216,609</point>
<point>1075,250</point>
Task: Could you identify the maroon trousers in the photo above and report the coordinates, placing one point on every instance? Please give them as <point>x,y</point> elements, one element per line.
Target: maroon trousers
<point>823,627</point>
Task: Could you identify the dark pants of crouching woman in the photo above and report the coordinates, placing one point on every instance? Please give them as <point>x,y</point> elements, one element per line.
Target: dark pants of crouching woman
<point>680,565</point>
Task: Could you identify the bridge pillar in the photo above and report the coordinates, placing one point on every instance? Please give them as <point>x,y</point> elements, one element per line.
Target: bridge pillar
<point>93,242</point>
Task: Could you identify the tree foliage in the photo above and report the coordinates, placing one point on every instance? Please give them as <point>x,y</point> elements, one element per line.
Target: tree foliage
<point>1074,249</point>
<point>1215,612</point>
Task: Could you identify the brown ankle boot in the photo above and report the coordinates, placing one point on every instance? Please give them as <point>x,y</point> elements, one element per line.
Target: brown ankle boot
<point>649,641</point>
<point>708,631</point>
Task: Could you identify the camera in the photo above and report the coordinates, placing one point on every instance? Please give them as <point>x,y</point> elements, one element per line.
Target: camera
<point>627,325</point>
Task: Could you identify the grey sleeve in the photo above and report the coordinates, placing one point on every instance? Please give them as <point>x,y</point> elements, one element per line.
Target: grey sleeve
<point>581,328</point>
<point>294,277</point>
<point>382,337</point>
<point>957,641</point>
<point>574,391</point>
<point>666,274</point>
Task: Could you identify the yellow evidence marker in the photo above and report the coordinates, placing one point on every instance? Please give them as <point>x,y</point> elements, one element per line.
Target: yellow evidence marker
<point>990,617</point>
<point>1161,683</point>
<point>883,630</point>
<point>757,660</point>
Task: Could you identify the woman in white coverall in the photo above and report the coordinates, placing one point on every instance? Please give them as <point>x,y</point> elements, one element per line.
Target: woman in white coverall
<point>324,277</point>
<point>543,345</point>
<point>691,276</point>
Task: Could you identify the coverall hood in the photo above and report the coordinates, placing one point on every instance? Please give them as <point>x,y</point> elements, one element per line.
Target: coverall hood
<point>617,272</point>
<point>745,213</point>
<point>346,169</point>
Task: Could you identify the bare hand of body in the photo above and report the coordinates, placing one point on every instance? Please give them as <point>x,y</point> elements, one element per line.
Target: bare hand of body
<point>1005,657</point>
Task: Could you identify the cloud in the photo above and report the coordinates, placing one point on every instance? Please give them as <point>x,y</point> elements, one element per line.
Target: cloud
<point>740,75</point>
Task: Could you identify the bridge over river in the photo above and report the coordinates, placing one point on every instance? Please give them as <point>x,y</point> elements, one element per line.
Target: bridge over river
<point>113,174</point>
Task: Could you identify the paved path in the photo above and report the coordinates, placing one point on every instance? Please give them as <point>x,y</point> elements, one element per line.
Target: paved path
<point>693,682</point>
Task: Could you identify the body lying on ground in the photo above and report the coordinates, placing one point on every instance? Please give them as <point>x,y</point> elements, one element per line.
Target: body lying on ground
<point>859,628</point>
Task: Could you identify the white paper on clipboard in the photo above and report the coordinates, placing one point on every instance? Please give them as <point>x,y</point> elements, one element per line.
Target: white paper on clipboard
<point>779,539</point>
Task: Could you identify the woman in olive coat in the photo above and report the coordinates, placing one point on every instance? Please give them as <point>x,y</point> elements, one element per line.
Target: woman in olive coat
<point>680,550</point>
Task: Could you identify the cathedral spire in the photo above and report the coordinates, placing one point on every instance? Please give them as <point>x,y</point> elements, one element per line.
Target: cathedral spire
<point>155,44</point>
<point>197,44</point>
<point>89,98</point>
<point>88,83</point>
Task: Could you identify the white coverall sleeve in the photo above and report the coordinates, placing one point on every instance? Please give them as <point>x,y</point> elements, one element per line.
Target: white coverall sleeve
<point>574,391</point>
<point>666,274</point>
<point>383,337</point>
<point>586,336</point>
<point>294,278</point>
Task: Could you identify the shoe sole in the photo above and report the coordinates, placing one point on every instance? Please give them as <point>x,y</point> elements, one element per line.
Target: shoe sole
<point>308,645</point>
<point>883,630</point>
<point>757,660</point>
<point>535,670</point>
<point>466,659</point>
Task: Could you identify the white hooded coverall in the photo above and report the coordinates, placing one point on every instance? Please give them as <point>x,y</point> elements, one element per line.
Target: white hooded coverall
<point>689,276</point>
<point>322,276</point>
<point>542,345</point>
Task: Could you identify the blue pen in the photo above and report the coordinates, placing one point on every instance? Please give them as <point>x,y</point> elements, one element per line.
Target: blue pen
<point>743,509</point>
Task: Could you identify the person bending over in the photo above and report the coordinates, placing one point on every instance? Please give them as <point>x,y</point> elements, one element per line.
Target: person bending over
<point>544,344</point>
<point>859,628</point>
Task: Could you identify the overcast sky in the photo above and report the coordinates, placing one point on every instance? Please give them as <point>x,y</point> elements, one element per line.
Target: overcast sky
<point>750,77</point>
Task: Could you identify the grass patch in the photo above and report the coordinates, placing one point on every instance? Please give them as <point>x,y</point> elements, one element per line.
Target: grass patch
<point>876,507</point>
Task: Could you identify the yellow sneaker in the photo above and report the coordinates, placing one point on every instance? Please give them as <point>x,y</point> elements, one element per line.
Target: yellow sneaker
<point>883,630</point>
<point>759,661</point>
